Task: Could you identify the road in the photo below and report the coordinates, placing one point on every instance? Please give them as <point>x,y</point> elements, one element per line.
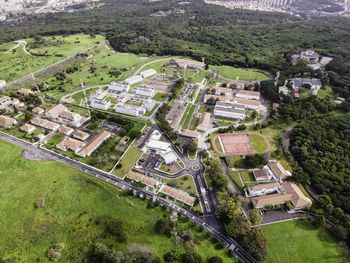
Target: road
<point>219,234</point>
<point>149,63</point>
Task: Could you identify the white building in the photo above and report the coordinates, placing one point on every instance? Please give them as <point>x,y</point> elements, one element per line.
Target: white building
<point>248,94</point>
<point>284,90</point>
<point>229,110</point>
<point>149,104</point>
<point>263,189</point>
<point>97,100</point>
<point>115,87</point>
<point>133,80</point>
<point>145,91</point>
<point>161,148</point>
<point>130,109</point>
<point>314,84</point>
<point>148,73</point>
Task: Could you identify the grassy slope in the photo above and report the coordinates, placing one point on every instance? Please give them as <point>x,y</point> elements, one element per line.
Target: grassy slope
<point>73,202</point>
<point>298,241</point>
<point>243,74</point>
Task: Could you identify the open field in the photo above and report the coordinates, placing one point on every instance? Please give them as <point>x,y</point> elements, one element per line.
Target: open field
<point>258,143</point>
<point>299,241</point>
<point>128,161</point>
<point>16,64</point>
<point>241,73</point>
<point>75,206</point>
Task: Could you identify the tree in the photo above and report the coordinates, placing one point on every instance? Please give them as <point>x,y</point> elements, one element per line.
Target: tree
<point>191,257</point>
<point>320,221</point>
<point>55,252</point>
<point>255,217</point>
<point>28,116</point>
<point>100,253</point>
<point>116,228</point>
<point>215,259</point>
<point>163,227</point>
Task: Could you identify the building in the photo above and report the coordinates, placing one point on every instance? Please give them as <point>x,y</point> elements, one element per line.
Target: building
<point>190,134</point>
<point>149,104</point>
<point>24,92</point>
<point>27,128</point>
<point>279,194</point>
<point>283,90</point>
<point>204,121</point>
<point>8,104</point>
<point>38,111</point>
<point>263,189</point>
<point>310,56</point>
<point>65,130</point>
<point>161,148</point>
<point>97,100</point>
<point>2,83</point>
<point>314,84</point>
<point>94,144</point>
<point>148,73</point>
<point>278,170</point>
<point>46,124</point>
<point>263,175</point>
<point>221,91</point>
<point>248,94</point>
<point>248,104</point>
<point>214,98</point>
<point>7,122</point>
<point>144,179</point>
<point>229,110</point>
<point>80,135</point>
<point>70,144</point>
<point>178,194</point>
<point>133,80</point>
<point>145,91</point>
<point>130,109</point>
<point>62,115</point>
<point>116,88</point>
<point>189,64</point>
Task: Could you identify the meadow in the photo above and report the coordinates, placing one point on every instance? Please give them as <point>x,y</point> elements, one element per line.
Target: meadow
<point>241,73</point>
<point>299,241</point>
<point>75,204</point>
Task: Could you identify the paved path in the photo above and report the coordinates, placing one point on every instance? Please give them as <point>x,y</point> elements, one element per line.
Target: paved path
<point>149,63</point>
<point>20,43</point>
<point>233,246</point>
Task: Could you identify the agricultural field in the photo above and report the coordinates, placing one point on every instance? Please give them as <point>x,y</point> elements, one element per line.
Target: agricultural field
<point>299,241</point>
<point>44,203</point>
<point>243,74</point>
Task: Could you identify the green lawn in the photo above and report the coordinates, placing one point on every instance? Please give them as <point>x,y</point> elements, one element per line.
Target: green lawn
<point>237,181</point>
<point>128,161</point>
<point>160,96</point>
<point>76,210</point>
<point>242,73</point>
<point>298,241</point>
<point>258,143</point>
<point>218,145</point>
<point>323,93</point>
<point>247,176</point>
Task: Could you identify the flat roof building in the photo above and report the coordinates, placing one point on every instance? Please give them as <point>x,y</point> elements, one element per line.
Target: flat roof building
<point>148,73</point>
<point>115,87</point>
<point>145,91</point>
<point>229,110</point>
<point>248,104</point>
<point>133,80</point>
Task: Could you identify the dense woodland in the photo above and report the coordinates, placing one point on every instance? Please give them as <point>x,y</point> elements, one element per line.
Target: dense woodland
<point>322,148</point>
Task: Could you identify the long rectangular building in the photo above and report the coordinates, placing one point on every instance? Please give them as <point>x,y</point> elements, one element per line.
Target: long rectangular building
<point>92,146</point>
<point>229,110</point>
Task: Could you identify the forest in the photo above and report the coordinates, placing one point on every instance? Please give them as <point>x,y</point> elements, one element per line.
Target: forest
<point>321,146</point>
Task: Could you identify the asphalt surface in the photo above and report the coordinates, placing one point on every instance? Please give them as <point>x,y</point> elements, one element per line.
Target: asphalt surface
<point>220,235</point>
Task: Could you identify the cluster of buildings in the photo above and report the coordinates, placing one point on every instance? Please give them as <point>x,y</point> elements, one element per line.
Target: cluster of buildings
<point>187,64</point>
<point>272,189</point>
<point>158,146</point>
<point>310,56</point>
<point>9,104</point>
<point>233,104</point>
<point>295,86</point>
<point>160,187</point>
<point>134,102</point>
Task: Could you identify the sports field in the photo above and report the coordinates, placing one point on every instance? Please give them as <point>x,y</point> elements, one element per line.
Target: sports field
<point>75,209</point>
<point>300,242</point>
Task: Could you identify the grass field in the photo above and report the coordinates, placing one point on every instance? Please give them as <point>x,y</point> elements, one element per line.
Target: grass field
<point>160,96</point>
<point>258,143</point>
<point>242,73</point>
<point>14,65</point>
<point>298,241</point>
<point>237,181</point>
<point>74,204</point>
<point>128,161</point>
<point>323,93</point>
